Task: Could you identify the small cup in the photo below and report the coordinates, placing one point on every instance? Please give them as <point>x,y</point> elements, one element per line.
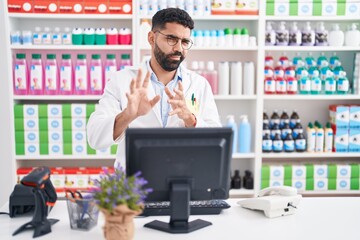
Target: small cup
<point>83,213</point>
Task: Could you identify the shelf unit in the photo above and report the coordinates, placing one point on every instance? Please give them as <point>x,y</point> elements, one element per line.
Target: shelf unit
<point>252,105</point>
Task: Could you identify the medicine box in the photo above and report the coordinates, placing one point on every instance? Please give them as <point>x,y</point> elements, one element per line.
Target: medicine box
<point>354,140</point>
<point>354,117</point>
<point>339,116</point>
<point>341,140</point>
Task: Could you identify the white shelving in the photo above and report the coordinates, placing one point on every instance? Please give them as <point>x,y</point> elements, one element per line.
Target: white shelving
<point>70,16</point>
<point>66,157</point>
<point>309,155</point>
<point>72,47</point>
<point>58,98</point>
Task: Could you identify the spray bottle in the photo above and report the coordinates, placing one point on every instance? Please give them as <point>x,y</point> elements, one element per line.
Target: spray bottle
<point>270,36</point>
<point>329,138</point>
<point>319,143</point>
<point>342,83</point>
<point>282,35</point>
<point>311,137</point>
<point>244,135</point>
<point>294,35</point>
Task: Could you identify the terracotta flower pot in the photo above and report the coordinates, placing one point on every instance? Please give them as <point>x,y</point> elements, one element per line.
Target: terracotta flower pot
<point>119,225</point>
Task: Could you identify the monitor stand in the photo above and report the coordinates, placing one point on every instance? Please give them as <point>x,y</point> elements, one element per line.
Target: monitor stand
<point>180,211</point>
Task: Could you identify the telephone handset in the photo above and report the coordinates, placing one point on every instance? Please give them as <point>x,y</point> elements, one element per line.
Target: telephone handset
<point>278,190</point>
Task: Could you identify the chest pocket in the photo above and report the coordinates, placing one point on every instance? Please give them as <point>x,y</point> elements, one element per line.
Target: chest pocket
<point>193,105</point>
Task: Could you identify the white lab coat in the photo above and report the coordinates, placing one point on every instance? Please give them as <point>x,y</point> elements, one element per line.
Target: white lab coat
<point>101,122</point>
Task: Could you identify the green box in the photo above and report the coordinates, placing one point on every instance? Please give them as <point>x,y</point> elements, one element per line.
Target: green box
<point>287,172</point>
<point>19,137</point>
<point>19,111</point>
<point>341,8</point>
<point>90,150</point>
<point>43,124</point>
<point>288,182</point>
<point>354,184</point>
<point>317,7</point>
<point>67,148</point>
<point>293,8</point>
<point>113,149</point>
<point>354,170</point>
<point>20,148</point>
<point>66,110</point>
<point>44,149</point>
<point>265,172</point>
<point>67,137</point>
<point>309,184</point>
<point>309,170</point>
<point>43,111</point>
<point>19,124</point>
<point>90,108</point>
<point>270,8</point>
<point>331,184</point>
<point>66,123</point>
<point>332,171</point>
<point>264,184</point>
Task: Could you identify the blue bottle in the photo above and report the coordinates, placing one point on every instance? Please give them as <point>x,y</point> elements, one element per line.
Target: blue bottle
<point>231,123</point>
<point>244,135</point>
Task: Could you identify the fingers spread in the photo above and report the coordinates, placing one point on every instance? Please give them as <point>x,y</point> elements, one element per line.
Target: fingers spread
<point>168,93</point>
<point>155,100</point>
<point>132,86</point>
<point>179,93</point>
<point>176,111</point>
<point>146,80</point>
<point>139,78</point>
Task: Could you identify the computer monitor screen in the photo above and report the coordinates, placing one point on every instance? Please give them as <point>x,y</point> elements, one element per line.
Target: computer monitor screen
<point>181,163</point>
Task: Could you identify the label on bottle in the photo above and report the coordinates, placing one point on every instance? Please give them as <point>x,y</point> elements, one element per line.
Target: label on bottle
<point>316,85</point>
<point>289,145</point>
<point>330,86</point>
<point>281,86</point>
<point>37,38</point>
<point>267,145</point>
<point>109,70</point>
<point>266,131</point>
<point>343,85</point>
<point>36,77</point>
<point>50,77</point>
<point>81,78</point>
<point>65,78</point>
<point>96,78</point>
<point>284,132</point>
<point>278,145</point>
<point>20,77</point>
<point>300,144</point>
<point>292,86</point>
<point>66,38</point>
<point>305,85</point>
<point>274,132</point>
<point>296,132</point>
<point>270,86</point>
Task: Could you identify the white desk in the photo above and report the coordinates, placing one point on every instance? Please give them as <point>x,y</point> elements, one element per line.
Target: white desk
<point>316,218</point>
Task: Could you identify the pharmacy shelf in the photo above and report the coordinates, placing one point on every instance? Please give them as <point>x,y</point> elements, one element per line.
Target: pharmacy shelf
<point>57,97</point>
<point>235,193</point>
<point>311,97</point>
<point>310,49</point>
<point>234,97</point>
<point>287,156</point>
<point>72,47</point>
<point>219,17</point>
<point>70,16</point>
<point>330,192</point>
<point>243,155</point>
<point>216,48</point>
<point>312,18</point>
<point>66,157</point>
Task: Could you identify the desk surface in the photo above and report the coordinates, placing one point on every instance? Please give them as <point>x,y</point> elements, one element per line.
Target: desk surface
<point>316,218</point>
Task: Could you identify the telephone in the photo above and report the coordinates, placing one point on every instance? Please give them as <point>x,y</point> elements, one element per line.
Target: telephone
<point>274,201</point>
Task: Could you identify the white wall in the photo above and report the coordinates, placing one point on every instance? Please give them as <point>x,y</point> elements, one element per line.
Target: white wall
<point>7,166</point>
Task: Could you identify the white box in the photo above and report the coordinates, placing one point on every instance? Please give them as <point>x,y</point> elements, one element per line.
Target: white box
<point>341,141</point>
<point>78,110</point>
<point>78,124</point>
<point>343,171</point>
<point>276,172</point>
<point>352,8</point>
<point>105,151</point>
<point>31,111</point>
<point>32,149</point>
<point>298,172</point>
<point>56,149</point>
<point>78,136</point>
<point>320,184</point>
<point>354,118</point>
<point>320,171</point>
<point>54,110</point>
<point>31,124</point>
<point>55,124</point>
<point>31,137</point>
<point>276,182</point>
<point>343,184</point>
<point>79,148</point>
<point>299,184</point>
<point>282,8</point>
<point>354,140</point>
<point>329,8</point>
<point>305,8</point>
<point>55,137</point>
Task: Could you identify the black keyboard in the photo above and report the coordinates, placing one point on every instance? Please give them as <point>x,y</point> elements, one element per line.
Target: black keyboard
<point>208,207</point>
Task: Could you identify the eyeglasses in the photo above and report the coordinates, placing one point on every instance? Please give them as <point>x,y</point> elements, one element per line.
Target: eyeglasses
<point>173,40</point>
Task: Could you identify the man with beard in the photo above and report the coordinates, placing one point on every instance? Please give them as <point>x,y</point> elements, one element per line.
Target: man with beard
<point>168,96</point>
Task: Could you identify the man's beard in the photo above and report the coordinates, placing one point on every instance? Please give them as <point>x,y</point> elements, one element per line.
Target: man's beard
<point>164,60</point>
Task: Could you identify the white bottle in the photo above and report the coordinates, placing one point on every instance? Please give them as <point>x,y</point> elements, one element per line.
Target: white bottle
<point>270,36</point>
<point>66,36</point>
<point>145,28</point>
<point>37,36</point>
<point>308,35</point>
<point>329,138</point>
<point>310,138</point>
<point>352,36</point>
<point>319,143</point>
<point>56,37</point>
<point>294,35</point>
<point>236,78</point>
<point>336,36</point>
<point>321,35</point>
<point>224,80</point>
<point>282,35</point>
<point>46,36</point>
<point>249,78</point>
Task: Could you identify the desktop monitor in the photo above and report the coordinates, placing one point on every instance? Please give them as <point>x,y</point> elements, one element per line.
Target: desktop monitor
<point>181,164</point>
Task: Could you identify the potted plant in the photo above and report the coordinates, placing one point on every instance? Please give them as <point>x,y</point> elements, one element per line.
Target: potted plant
<point>120,198</point>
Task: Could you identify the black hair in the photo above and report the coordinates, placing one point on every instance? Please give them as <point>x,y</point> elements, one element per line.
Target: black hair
<point>171,15</point>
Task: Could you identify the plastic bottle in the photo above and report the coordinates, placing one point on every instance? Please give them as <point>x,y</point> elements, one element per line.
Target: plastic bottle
<point>237,37</point>
<point>26,37</point>
<point>66,36</point>
<point>56,37</point>
<point>329,138</point>
<point>100,36</point>
<point>279,71</point>
<point>289,144</point>
<point>275,118</point>
<point>89,36</point>
<point>289,71</point>
<point>224,80</point>
<point>228,37</point>
<point>338,68</point>
<point>321,35</point>
<point>300,143</point>
<point>125,37</point>
<point>96,77</point>
<point>265,118</point>
<point>280,85</point>
<point>304,83</point>
<point>244,135</point>
<point>311,137</point>
<point>296,60</point>
<point>278,144</point>
<point>248,180</point>
<point>112,36</point>
<point>319,143</point>
<point>330,83</point>
<point>232,124</point>
<point>125,61</point>
<point>291,85</point>
<point>20,75</point>
<point>282,35</point>
<point>46,36</point>
<point>110,67</point>
<point>284,61</point>
<point>66,76</point>
<point>334,61</point>
<point>212,76</point>
<point>269,61</point>
<point>266,129</point>
<point>294,119</point>
<point>336,36</point>
<point>145,28</point>
<point>77,36</point>
<point>275,129</point>
<point>322,61</point>
<point>308,35</point>
<point>266,143</point>
<point>297,130</point>
<point>352,36</point>
<point>221,42</point>
<point>236,80</point>
<point>270,35</point>
<point>37,36</point>
<point>36,75</point>
<point>51,75</point>
<point>236,180</point>
<point>310,61</point>
<point>249,78</point>
<point>294,35</point>
<point>284,118</point>
<point>81,75</point>
<point>316,83</point>
<point>285,130</point>
<point>244,36</point>
<point>269,85</point>
<point>342,83</point>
